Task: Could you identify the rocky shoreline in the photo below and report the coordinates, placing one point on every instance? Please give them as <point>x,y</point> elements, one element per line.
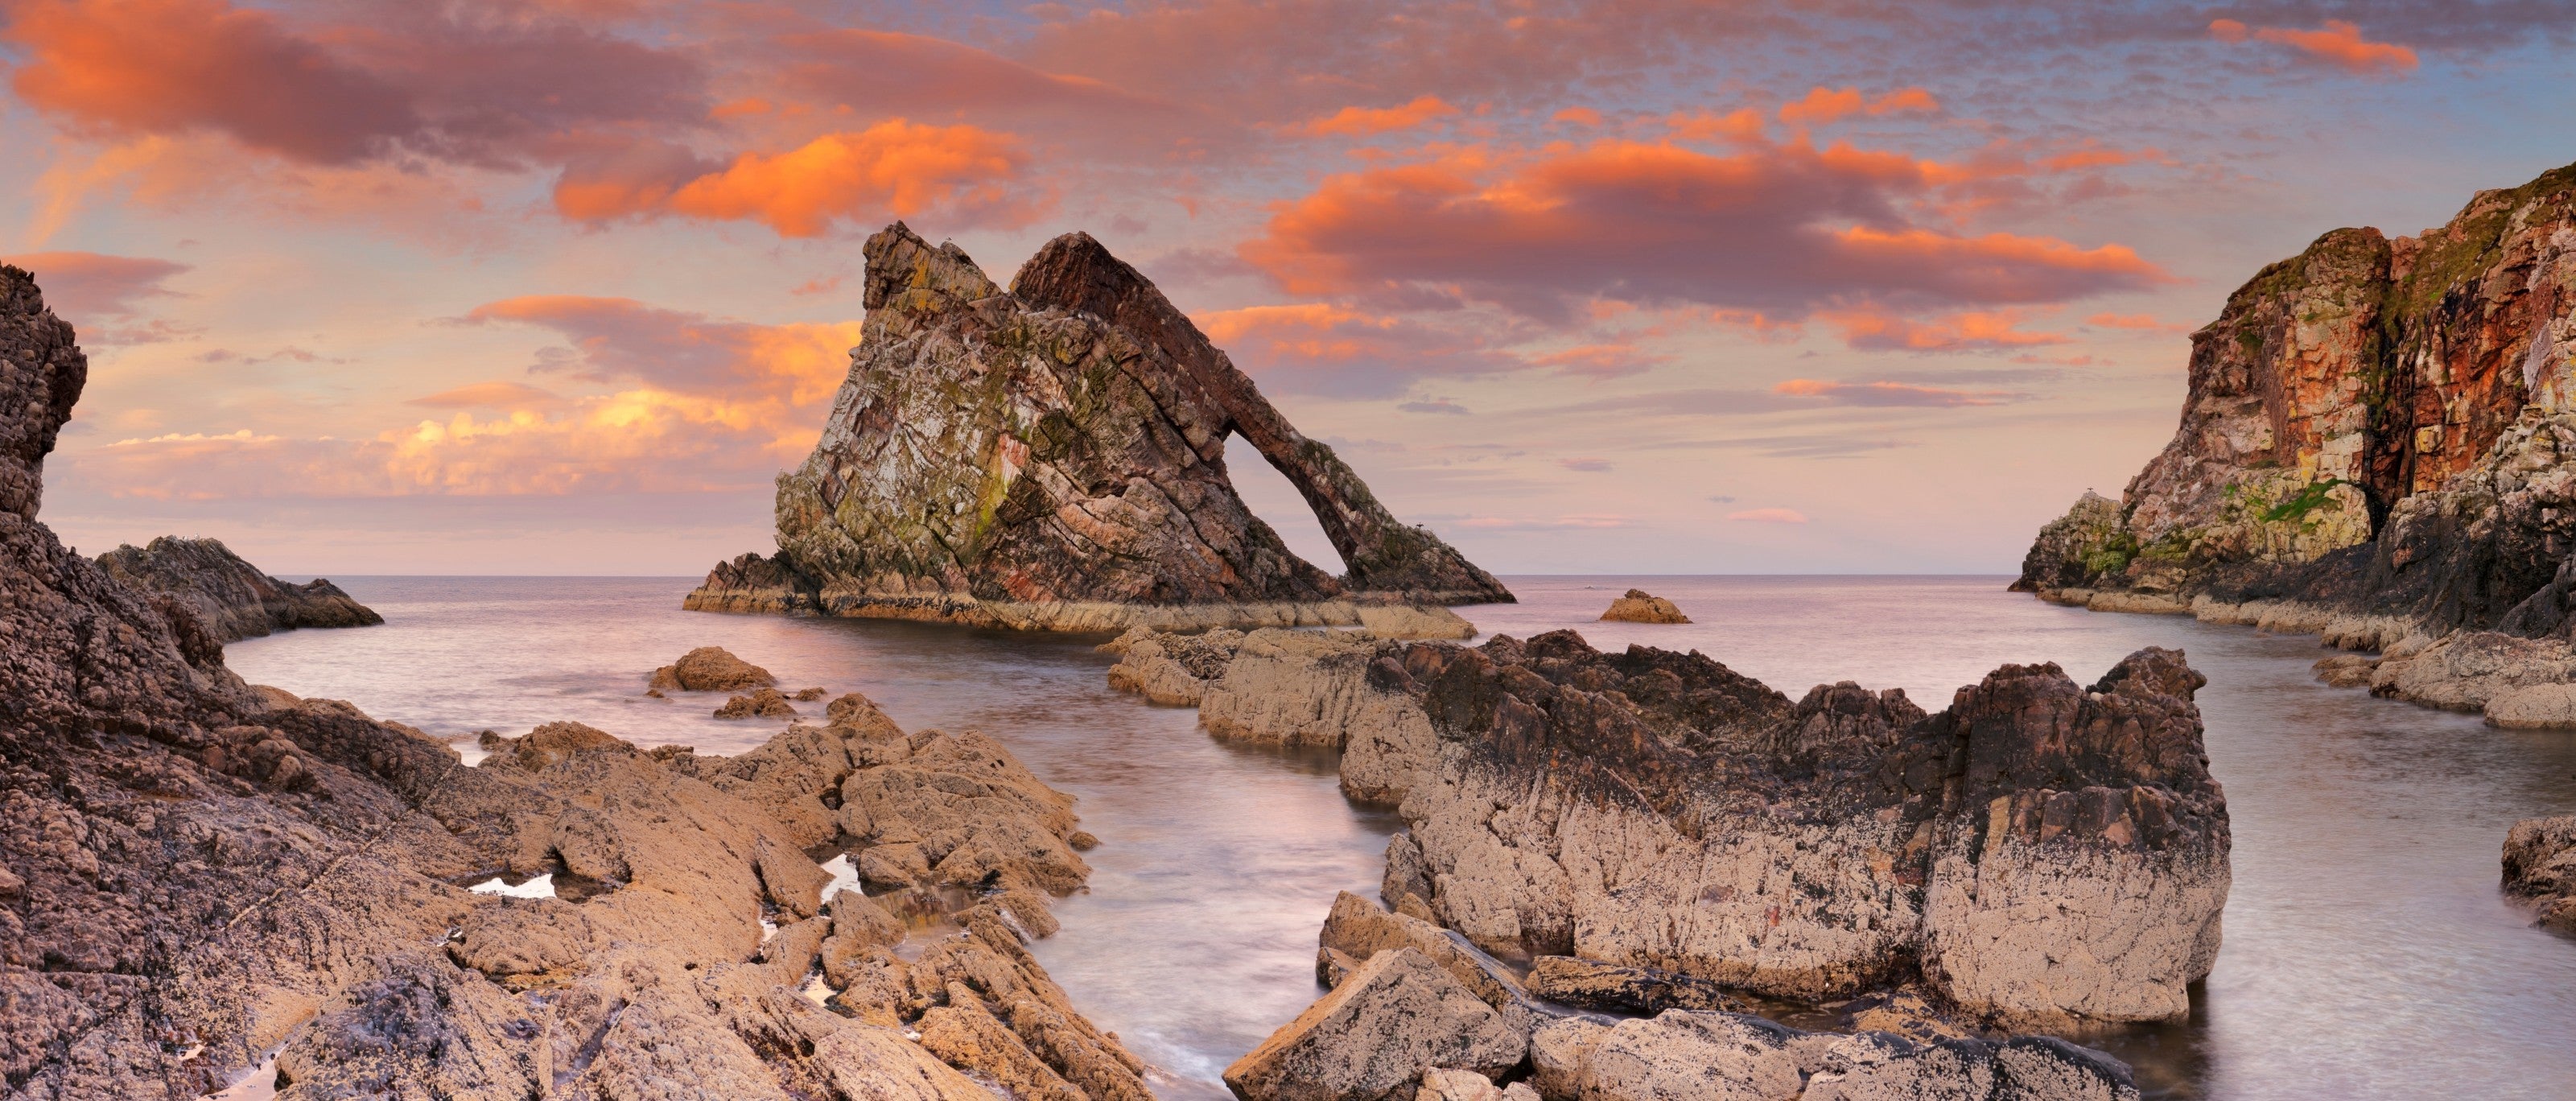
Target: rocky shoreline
<point>1052,458</point>
<point>230,596</point>
<point>1652,831</point>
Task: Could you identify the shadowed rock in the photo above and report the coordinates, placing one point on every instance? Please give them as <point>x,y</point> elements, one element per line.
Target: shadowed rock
<point>229,595</point>
<point>2540,866</point>
<point>1054,458</point>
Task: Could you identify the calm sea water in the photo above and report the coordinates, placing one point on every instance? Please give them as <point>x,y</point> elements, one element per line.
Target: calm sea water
<point>2368,950</point>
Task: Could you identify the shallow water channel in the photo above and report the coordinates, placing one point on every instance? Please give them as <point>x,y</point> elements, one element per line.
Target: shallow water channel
<point>2368,951</point>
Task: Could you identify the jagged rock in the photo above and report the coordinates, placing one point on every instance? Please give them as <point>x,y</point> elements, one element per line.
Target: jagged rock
<point>1640,606</point>
<point>1570,803</point>
<point>231,597</point>
<point>1310,688</point>
<point>1357,930</point>
<point>1396,1017</point>
<point>547,745</point>
<point>1645,990</point>
<point>766,703</point>
<point>1052,458</point>
<point>2540,865</point>
<point>711,669</point>
<point>1467,1085</point>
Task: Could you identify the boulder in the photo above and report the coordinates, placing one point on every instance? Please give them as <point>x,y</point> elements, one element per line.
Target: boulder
<point>711,669</point>
<point>1375,1035</point>
<point>766,703</point>
<point>230,596</point>
<point>2540,866</point>
<point>1053,457</point>
<point>1640,606</point>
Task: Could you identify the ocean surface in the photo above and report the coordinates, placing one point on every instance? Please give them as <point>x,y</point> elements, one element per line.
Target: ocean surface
<point>2368,950</point>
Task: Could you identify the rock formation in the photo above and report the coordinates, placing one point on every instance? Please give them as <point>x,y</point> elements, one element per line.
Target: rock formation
<point>1053,457</point>
<point>2039,855</point>
<point>230,596</point>
<point>1640,606</point>
<point>194,873</point>
<point>2378,445</point>
<point>711,669</point>
<point>2540,865</point>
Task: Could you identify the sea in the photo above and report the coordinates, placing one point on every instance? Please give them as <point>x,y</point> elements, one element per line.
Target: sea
<point>2368,952</point>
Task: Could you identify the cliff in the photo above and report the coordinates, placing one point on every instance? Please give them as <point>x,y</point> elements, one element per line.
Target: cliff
<point>1053,456</point>
<point>2376,444</point>
<point>229,595</point>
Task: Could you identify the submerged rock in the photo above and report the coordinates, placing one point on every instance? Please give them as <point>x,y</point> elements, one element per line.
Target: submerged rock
<point>1640,606</point>
<point>230,596</point>
<point>1053,457</point>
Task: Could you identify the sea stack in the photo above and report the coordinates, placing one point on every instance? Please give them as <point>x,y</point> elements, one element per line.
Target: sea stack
<point>2378,446</point>
<point>233,597</point>
<point>1053,457</point>
<point>1640,606</point>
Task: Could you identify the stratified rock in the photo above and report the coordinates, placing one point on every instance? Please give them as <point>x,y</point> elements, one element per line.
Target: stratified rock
<point>2045,853</point>
<point>1357,930</point>
<point>2540,865</point>
<point>1310,688</point>
<point>1396,1017</point>
<point>711,669</point>
<point>547,745</point>
<point>231,597</point>
<point>1647,990</point>
<point>1054,458</point>
<point>1640,606</point>
<point>764,704</point>
<point>2378,444</point>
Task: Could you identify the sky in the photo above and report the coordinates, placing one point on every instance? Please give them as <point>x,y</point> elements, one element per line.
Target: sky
<point>1636,286</point>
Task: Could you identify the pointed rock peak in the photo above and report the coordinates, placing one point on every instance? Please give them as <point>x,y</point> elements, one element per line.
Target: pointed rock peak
<point>906,272</point>
<point>1075,272</point>
<point>43,375</point>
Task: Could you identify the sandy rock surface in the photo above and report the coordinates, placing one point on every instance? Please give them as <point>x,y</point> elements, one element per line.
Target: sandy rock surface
<point>1640,606</point>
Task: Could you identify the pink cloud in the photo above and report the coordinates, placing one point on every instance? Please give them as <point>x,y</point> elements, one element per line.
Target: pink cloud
<point>894,169</point>
<point>2337,43</point>
<point>1768,516</point>
<point>1887,394</point>
<point>79,286</point>
<point>1362,122</point>
<point>1324,348</point>
<point>1822,105</point>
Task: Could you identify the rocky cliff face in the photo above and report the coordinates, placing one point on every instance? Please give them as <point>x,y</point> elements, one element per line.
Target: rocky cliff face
<point>198,878</point>
<point>2038,855</point>
<point>230,596</point>
<point>1053,454</point>
<point>2338,384</point>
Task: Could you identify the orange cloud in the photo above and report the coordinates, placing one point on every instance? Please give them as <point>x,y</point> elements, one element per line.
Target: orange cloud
<point>2135,321</point>
<point>1600,360</point>
<point>620,339</point>
<point>1322,348</point>
<point>1580,116</point>
<point>896,167</point>
<point>2338,43</point>
<point>1768,516</point>
<point>498,395</point>
<point>1361,122</point>
<point>1823,105</point>
<point>1955,333</point>
<point>80,286</point>
<point>1742,124</point>
<point>1776,228</point>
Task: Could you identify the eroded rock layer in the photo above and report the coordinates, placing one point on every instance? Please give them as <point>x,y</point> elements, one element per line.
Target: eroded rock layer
<point>199,878</point>
<point>229,595</point>
<point>1053,457</point>
<point>2039,854</point>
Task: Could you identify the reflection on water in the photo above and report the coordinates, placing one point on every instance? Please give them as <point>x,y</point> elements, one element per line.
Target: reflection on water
<point>2368,950</point>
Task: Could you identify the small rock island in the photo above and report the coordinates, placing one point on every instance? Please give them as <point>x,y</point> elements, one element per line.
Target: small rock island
<point>231,597</point>
<point>1640,606</point>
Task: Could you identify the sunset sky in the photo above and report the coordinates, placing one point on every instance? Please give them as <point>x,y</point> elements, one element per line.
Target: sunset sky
<point>395,286</point>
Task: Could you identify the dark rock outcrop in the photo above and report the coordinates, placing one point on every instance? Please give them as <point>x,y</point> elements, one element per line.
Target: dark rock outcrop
<point>1053,457</point>
<point>2540,866</point>
<point>194,872</point>
<point>230,596</point>
<point>2379,446</point>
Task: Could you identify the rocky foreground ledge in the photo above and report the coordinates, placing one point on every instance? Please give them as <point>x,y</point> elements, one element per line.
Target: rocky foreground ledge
<point>1656,834</point>
<point>230,596</point>
<point>1052,457</point>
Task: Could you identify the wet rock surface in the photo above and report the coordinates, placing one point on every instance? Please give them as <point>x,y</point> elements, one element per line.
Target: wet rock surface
<point>197,873</point>
<point>231,597</point>
<point>1640,606</point>
<point>2378,446</point>
<point>1053,457</point>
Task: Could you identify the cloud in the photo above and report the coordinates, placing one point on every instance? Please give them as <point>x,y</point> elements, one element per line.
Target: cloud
<point>1778,228</point>
<point>1322,348</point>
<point>1580,116</point>
<point>2142,321</point>
<point>1362,122</point>
<point>2337,43</point>
<point>1823,105</point>
<point>79,286</point>
<point>887,73</point>
<point>1602,360</point>
<point>1586,466</point>
<point>621,340</point>
<point>895,168</point>
<point>495,395</point>
<point>1768,516</point>
<point>1440,405</point>
<point>1575,522</point>
<point>1722,499</point>
<point>1872,330</point>
<point>1893,394</point>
